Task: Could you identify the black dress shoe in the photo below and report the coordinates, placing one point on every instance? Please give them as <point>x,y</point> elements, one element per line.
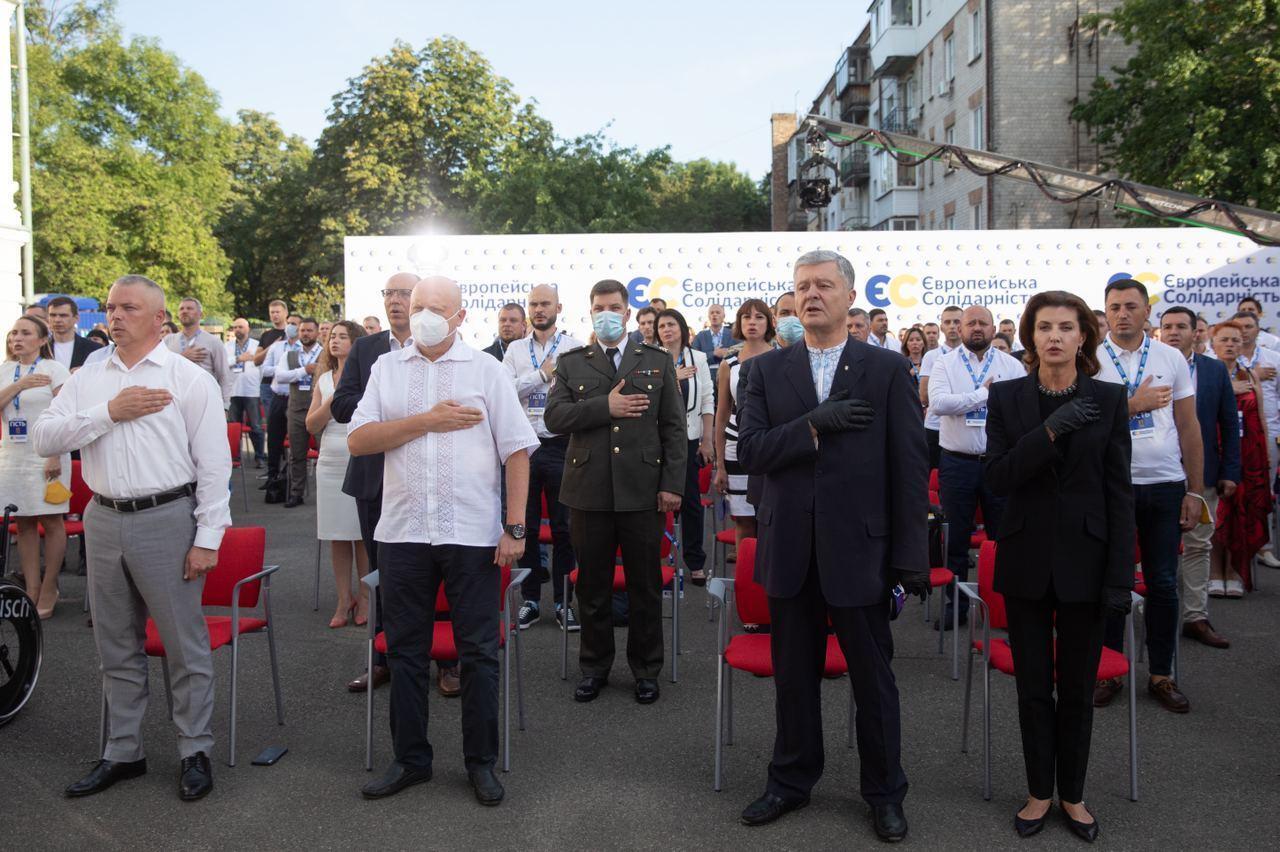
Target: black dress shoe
<point>1086,831</point>
<point>395,779</point>
<point>769,807</point>
<point>1028,827</point>
<point>196,778</point>
<point>589,687</point>
<point>487,787</point>
<point>293,502</point>
<point>103,775</point>
<point>646,690</point>
<point>890,822</point>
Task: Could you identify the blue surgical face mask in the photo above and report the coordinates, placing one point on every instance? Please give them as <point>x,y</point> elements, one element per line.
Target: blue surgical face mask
<point>291,332</point>
<point>608,326</point>
<point>790,329</point>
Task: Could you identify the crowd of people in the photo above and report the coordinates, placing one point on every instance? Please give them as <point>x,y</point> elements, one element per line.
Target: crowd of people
<point>1082,441</point>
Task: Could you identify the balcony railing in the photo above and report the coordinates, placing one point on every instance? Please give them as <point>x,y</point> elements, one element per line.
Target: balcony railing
<point>856,222</point>
<point>900,120</point>
<point>854,164</point>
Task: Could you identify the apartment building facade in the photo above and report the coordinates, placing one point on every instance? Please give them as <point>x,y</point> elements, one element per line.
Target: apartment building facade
<point>998,75</point>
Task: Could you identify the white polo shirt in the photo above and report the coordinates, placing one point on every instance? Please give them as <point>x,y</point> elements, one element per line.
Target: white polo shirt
<point>1157,453</point>
<point>958,395</point>
<point>931,420</point>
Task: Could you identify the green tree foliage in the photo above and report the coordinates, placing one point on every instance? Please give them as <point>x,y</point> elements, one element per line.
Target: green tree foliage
<point>702,195</point>
<point>128,159</point>
<point>1197,108</point>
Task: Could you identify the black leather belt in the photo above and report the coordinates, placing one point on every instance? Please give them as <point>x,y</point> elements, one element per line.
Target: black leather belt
<point>966,456</point>
<point>148,502</point>
<point>556,440</point>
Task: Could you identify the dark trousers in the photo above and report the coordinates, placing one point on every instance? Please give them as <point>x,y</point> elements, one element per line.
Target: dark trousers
<point>369,511</point>
<point>596,539</point>
<point>691,512</point>
<point>277,428</point>
<point>1158,508</point>
<point>546,467</point>
<point>299,441</point>
<point>799,644</point>
<point>244,409</point>
<point>935,449</point>
<point>410,578</point>
<point>1055,736</point>
<point>963,490</point>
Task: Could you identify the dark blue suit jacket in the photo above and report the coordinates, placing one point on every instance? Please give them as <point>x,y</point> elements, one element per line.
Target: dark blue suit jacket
<point>857,501</point>
<point>364,473</point>
<point>1219,425</point>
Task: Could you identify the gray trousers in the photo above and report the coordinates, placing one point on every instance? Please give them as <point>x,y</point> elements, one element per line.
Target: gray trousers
<point>299,441</point>
<point>136,562</point>
<point>1193,570</point>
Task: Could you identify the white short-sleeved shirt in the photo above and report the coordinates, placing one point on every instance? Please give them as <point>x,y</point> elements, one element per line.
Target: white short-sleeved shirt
<point>931,420</point>
<point>444,487</point>
<point>1263,357</point>
<point>1267,340</point>
<point>1157,453</point>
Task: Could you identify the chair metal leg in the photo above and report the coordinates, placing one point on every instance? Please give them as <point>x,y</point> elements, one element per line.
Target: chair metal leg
<point>986,733</point>
<point>676,580</point>
<point>368,707</point>
<point>717,741</point>
<point>275,673</point>
<point>968,695</point>
<point>506,704</point>
<point>955,633</point>
<point>519,681</point>
<point>728,703</point>
<point>564,638</point>
<point>235,671</point>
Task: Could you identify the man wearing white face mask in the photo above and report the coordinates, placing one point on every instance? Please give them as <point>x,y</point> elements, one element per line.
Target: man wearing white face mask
<point>620,404</point>
<point>446,417</point>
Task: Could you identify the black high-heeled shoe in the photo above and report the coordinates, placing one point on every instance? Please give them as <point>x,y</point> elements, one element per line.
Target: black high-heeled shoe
<point>1086,831</point>
<point>1029,827</point>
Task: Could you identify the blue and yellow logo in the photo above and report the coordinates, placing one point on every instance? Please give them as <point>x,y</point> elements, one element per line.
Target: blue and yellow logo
<point>641,291</point>
<point>883,291</point>
<point>1147,279</point>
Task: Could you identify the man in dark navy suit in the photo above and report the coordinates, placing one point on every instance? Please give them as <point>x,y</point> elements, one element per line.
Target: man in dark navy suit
<point>833,426</point>
<point>1220,431</point>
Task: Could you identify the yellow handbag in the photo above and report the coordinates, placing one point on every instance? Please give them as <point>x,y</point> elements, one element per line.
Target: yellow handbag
<point>55,492</point>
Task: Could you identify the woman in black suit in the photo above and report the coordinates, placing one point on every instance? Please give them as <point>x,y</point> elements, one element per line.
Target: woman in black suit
<point>1058,451</point>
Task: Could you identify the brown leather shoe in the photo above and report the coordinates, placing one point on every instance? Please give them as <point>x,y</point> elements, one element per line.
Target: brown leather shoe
<point>448,682</point>
<point>1105,690</point>
<point>1202,631</point>
<point>1166,692</point>
<point>381,675</point>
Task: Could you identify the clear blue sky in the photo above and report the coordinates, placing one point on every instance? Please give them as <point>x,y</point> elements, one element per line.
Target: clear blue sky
<point>702,77</point>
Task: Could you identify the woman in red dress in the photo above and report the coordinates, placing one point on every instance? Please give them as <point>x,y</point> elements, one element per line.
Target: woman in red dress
<point>1242,518</point>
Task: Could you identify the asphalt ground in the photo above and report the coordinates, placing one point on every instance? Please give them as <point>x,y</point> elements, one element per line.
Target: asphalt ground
<point>616,775</point>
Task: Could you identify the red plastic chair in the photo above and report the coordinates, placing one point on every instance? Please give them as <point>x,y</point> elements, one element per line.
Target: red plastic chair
<point>234,583</point>
<point>996,654</point>
<point>750,652</point>
<point>444,647</point>
<point>672,575</point>
<point>235,435</point>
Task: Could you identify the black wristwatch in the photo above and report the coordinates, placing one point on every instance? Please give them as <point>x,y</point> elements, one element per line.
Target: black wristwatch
<point>516,531</point>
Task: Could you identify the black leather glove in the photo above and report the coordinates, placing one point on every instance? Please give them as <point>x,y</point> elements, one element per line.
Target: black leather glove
<point>840,414</point>
<point>1116,601</point>
<point>915,584</point>
<point>1072,416</point>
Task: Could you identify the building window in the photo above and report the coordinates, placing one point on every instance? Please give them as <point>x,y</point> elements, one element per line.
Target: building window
<point>977,216</point>
<point>903,225</point>
<point>903,13</point>
<point>976,135</point>
<point>949,58</point>
<point>949,136</point>
<point>949,223</point>
<point>929,80</point>
<point>975,35</point>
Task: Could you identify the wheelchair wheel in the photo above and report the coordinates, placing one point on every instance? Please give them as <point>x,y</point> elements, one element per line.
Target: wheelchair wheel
<point>20,649</point>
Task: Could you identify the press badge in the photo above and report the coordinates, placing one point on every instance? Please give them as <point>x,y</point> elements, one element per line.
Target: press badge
<point>18,430</point>
<point>1240,417</point>
<point>537,403</point>
<point>238,367</point>
<point>1142,425</point>
<point>977,417</point>
<point>304,383</point>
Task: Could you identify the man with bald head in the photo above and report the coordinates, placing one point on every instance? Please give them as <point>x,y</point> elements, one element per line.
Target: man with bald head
<point>241,352</point>
<point>153,441</point>
<point>531,363</point>
<point>958,386</point>
<point>364,473</point>
<point>447,418</point>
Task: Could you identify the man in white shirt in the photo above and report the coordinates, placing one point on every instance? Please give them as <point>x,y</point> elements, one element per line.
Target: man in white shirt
<point>246,379</point>
<point>958,388</point>
<point>1264,363</point>
<point>531,363</point>
<point>273,362</point>
<point>1167,471</point>
<point>69,349</point>
<point>950,340</point>
<point>1265,339</point>
<point>154,451</point>
<point>879,331</point>
<point>447,419</point>
<point>200,347</point>
<point>296,370</point>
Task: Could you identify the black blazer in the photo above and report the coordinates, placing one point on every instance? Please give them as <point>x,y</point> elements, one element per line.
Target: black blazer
<point>1069,518</point>
<point>364,473</point>
<point>858,500</point>
<point>496,349</point>
<point>80,349</point>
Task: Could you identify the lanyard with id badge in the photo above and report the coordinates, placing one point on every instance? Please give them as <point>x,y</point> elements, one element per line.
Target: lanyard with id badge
<point>18,423</point>
<point>538,399</point>
<point>238,366</point>
<point>978,417</point>
<point>304,383</point>
<point>1140,425</point>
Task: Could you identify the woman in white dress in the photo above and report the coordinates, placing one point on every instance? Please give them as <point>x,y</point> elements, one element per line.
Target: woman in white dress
<point>29,380</point>
<point>753,326</point>
<point>336,518</point>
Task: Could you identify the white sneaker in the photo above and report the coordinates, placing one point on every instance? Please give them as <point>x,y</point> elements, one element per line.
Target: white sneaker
<point>1235,589</point>
<point>1217,589</point>
<point>1267,558</point>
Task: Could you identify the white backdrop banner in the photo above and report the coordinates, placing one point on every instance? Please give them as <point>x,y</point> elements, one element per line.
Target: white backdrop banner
<point>911,275</point>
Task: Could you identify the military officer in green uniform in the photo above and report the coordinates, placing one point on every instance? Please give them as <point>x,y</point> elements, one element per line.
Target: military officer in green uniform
<point>619,403</point>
